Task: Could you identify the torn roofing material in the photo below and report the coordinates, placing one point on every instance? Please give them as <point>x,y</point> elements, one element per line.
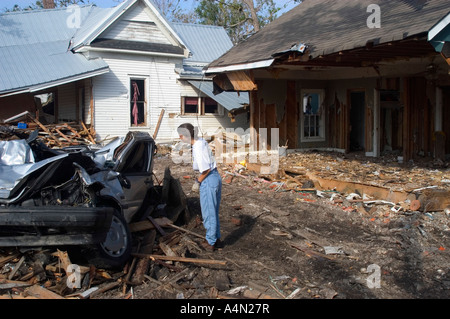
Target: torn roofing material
<point>329,26</point>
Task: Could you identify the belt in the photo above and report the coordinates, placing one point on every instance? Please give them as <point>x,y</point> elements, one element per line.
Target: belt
<point>213,170</point>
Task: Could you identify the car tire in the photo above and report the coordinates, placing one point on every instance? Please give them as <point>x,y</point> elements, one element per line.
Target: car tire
<point>115,251</point>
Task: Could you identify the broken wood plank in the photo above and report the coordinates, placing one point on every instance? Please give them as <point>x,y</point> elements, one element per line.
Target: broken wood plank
<point>45,130</point>
<point>309,252</point>
<point>16,267</point>
<point>64,136</point>
<point>88,133</point>
<point>183,259</point>
<point>105,288</point>
<point>72,130</point>
<point>64,259</point>
<point>185,230</point>
<point>42,293</point>
<point>147,224</point>
<point>434,200</point>
<point>354,187</point>
<point>9,284</point>
<point>155,223</point>
<point>158,124</point>
<point>4,260</point>
<point>167,250</point>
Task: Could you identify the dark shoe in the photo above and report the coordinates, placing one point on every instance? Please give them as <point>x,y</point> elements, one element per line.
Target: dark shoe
<point>207,246</point>
<point>219,244</point>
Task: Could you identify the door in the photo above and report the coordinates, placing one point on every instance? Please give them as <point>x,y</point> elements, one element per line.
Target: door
<point>357,120</point>
<point>446,117</point>
<point>136,170</point>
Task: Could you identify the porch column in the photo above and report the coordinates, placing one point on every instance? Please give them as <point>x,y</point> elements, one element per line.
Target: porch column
<point>438,114</point>
<point>439,136</point>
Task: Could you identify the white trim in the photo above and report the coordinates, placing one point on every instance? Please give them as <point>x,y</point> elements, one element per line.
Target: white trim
<point>123,7</point>
<point>103,25</point>
<point>110,50</point>
<point>166,24</point>
<point>434,31</point>
<point>146,79</point>
<point>238,67</point>
<point>322,120</point>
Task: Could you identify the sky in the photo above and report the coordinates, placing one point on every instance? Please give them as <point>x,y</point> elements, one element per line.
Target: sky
<point>111,3</point>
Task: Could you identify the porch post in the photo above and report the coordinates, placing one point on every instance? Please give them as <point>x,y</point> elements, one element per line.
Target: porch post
<point>376,123</point>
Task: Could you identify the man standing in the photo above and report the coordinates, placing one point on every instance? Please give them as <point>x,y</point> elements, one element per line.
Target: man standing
<point>209,184</point>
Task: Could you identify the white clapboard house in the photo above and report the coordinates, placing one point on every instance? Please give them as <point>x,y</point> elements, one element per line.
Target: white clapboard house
<point>116,69</point>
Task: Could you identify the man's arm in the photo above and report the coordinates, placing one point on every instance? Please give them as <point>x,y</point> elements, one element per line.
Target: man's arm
<point>203,175</point>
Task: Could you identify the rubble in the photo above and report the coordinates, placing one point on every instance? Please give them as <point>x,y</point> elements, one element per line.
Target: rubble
<point>310,230</point>
<point>58,135</point>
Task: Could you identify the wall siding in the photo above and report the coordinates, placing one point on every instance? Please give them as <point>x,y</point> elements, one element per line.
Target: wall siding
<point>112,99</point>
<point>136,25</point>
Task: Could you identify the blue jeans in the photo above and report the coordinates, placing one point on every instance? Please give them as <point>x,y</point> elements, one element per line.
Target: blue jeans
<point>210,195</point>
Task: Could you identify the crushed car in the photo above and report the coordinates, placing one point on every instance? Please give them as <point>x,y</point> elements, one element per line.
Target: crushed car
<point>82,196</point>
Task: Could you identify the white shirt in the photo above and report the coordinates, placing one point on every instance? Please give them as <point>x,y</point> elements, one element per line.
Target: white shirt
<point>202,156</point>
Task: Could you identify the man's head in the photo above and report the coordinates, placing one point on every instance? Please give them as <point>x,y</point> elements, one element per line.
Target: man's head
<point>186,132</point>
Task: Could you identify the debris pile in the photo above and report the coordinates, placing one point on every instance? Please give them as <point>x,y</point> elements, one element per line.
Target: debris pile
<point>53,135</point>
<point>350,183</point>
<point>165,256</point>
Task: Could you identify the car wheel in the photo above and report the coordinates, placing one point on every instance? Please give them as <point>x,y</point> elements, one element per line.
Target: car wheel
<point>115,251</point>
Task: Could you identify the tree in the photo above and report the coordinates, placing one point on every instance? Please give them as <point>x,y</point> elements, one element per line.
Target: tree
<point>41,4</point>
<point>241,18</point>
<point>173,11</point>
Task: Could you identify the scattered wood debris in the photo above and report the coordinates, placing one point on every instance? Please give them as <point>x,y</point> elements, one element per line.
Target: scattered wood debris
<point>53,135</point>
<point>160,260</point>
<point>350,183</point>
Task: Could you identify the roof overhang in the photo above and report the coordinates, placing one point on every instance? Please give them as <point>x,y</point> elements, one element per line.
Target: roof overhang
<point>239,67</point>
<point>439,37</point>
<point>62,81</point>
<point>229,100</point>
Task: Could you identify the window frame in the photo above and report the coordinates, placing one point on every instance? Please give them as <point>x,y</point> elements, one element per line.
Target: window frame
<point>201,109</point>
<point>321,113</point>
<point>132,78</point>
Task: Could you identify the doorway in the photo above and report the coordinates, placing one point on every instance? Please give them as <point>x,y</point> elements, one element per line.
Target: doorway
<point>357,120</point>
<point>446,117</point>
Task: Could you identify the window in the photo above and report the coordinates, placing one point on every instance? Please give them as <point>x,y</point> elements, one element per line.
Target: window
<point>199,106</point>
<point>138,103</point>
<point>210,106</point>
<point>190,105</point>
<point>313,118</point>
<point>46,107</point>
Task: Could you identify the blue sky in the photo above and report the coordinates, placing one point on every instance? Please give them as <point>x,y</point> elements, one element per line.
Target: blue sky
<point>111,3</point>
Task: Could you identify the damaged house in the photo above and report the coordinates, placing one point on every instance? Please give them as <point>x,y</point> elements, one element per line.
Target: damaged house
<point>370,76</point>
<point>115,69</point>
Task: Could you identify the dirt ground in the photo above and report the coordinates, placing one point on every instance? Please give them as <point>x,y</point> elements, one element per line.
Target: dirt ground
<point>282,243</point>
<point>284,238</point>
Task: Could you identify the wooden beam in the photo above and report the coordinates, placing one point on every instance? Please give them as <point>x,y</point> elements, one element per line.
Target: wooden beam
<point>45,130</point>
<point>182,259</point>
<point>241,81</point>
<point>158,124</point>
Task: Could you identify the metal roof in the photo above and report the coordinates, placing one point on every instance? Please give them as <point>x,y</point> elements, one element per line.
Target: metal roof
<point>34,51</point>
<point>229,100</point>
<point>37,46</point>
<point>329,26</point>
<point>37,66</point>
<point>194,36</point>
